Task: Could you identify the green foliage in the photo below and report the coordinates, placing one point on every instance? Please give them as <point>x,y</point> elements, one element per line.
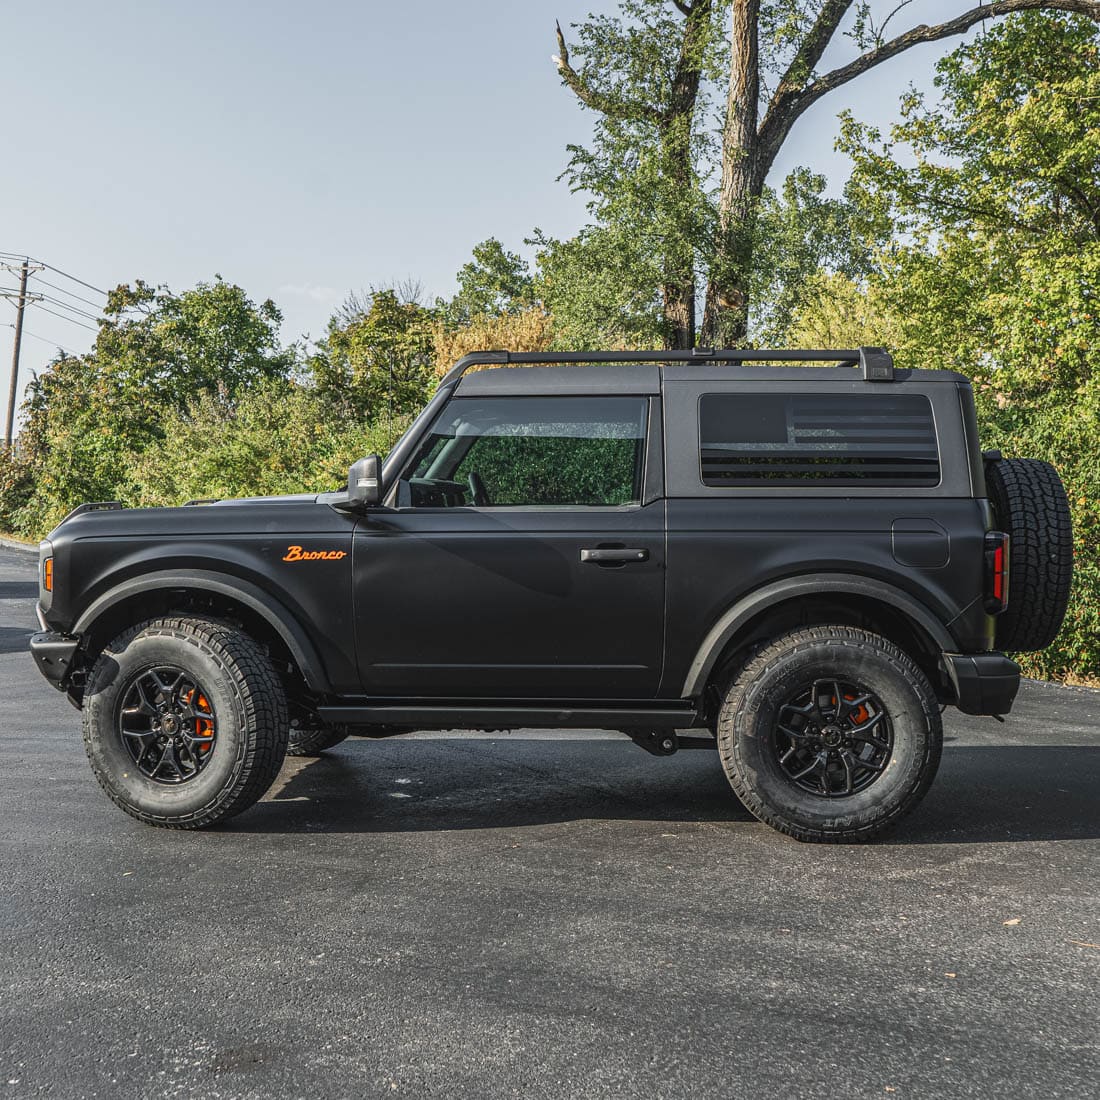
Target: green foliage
<point>553,470</point>
<point>377,360</point>
<point>163,349</point>
<point>1012,146</point>
<point>600,287</point>
<point>155,354</point>
<point>803,234</point>
<point>493,283</point>
<point>279,438</point>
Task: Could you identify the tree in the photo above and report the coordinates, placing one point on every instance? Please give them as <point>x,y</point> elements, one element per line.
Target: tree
<point>494,282</point>
<point>802,234</point>
<point>156,353</point>
<point>644,74</point>
<point>600,287</point>
<point>377,358</point>
<point>162,349</point>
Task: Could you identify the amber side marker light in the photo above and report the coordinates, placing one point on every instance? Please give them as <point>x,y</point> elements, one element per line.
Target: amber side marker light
<point>47,574</point>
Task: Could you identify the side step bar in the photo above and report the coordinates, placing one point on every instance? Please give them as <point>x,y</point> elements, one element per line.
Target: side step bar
<point>511,716</point>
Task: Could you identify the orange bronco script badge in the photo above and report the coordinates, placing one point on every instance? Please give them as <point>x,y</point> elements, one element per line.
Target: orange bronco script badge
<point>296,553</point>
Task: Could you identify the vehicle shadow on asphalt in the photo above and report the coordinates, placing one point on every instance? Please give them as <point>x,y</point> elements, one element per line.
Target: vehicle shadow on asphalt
<point>443,784</point>
<point>13,639</point>
<point>982,794</point>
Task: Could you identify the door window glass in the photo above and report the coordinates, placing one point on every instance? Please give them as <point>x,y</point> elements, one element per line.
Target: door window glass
<point>532,451</point>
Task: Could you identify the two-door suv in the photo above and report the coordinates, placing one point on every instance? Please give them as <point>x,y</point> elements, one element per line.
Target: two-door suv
<point>801,563</point>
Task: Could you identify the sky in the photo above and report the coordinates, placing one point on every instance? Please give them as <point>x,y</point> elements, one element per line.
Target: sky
<point>305,150</point>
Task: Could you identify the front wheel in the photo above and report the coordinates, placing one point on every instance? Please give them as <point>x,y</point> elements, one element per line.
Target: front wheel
<point>830,734</point>
<point>185,722</point>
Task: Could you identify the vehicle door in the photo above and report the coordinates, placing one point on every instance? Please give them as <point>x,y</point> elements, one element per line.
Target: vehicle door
<point>523,558</point>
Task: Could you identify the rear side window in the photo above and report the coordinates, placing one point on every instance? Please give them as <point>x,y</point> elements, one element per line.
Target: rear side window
<point>807,439</point>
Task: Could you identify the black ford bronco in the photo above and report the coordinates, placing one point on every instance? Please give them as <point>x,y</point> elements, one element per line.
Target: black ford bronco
<point>798,565</point>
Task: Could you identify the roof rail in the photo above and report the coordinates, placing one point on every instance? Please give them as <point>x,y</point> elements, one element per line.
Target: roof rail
<point>876,364</point>
<point>94,506</point>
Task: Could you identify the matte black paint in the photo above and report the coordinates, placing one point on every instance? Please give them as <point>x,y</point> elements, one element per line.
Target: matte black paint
<point>462,606</point>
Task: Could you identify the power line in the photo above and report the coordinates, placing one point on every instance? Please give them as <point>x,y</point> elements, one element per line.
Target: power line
<point>62,290</point>
<point>74,279</point>
<point>27,267</point>
<point>30,259</point>
<point>52,343</point>
<point>74,309</point>
<point>71,320</point>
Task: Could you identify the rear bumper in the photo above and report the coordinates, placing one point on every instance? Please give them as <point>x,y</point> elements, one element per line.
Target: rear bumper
<point>54,653</point>
<point>984,683</point>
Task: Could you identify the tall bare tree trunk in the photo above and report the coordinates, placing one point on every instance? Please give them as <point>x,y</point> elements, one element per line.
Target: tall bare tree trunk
<point>725,319</point>
<point>678,289</point>
<point>674,121</point>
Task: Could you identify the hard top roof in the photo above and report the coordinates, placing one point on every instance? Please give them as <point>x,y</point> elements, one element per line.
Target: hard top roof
<point>647,377</point>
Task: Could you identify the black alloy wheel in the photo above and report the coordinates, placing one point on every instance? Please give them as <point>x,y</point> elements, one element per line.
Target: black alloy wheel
<point>833,738</point>
<point>167,724</point>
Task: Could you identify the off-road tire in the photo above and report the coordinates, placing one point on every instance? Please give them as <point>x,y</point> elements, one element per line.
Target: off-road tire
<point>749,712</point>
<point>312,741</point>
<point>248,705</point>
<point>1030,505</point>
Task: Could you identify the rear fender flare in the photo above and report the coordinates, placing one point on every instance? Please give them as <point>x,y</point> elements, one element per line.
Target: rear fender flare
<point>244,592</point>
<point>748,607</point>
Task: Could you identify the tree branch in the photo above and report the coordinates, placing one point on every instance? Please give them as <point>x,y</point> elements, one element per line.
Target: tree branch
<point>685,81</point>
<point>593,97</point>
<point>789,102</point>
<point>812,47</point>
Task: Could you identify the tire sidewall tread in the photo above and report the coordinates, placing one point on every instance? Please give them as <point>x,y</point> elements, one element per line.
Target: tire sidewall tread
<point>745,731</point>
<point>250,712</point>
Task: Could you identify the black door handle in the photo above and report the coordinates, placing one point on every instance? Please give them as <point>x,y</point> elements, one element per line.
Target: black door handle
<point>614,554</point>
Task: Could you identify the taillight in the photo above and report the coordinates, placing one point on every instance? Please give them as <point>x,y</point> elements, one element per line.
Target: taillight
<point>47,574</point>
<point>996,572</point>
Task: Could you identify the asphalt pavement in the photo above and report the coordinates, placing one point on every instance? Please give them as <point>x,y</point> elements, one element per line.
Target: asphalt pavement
<point>537,915</point>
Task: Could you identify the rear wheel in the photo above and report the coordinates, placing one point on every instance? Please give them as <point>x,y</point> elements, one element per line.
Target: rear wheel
<point>830,734</point>
<point>185,722</point>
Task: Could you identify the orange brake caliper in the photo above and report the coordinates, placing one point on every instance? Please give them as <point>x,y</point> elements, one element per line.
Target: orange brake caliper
<point>203,726</point>
<point>860,714</point>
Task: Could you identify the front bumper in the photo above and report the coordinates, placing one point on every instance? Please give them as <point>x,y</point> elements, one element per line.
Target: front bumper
<point>54,654</point>
<point>984,683</point>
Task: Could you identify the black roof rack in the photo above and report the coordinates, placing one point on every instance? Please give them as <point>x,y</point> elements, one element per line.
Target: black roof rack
<point>876,364</point>
<point>94,506</point>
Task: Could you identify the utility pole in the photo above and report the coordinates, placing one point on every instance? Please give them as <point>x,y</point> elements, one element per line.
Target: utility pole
<point>21,302</point>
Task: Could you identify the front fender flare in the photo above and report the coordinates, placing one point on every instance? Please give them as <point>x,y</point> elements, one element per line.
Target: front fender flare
<point>789,588</point>
<point>244,592</point>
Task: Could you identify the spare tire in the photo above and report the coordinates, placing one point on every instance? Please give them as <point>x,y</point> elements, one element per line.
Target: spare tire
<point>1030,505</point>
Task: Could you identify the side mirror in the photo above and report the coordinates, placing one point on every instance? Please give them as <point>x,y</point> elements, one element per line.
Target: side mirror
<point>365,482</point>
